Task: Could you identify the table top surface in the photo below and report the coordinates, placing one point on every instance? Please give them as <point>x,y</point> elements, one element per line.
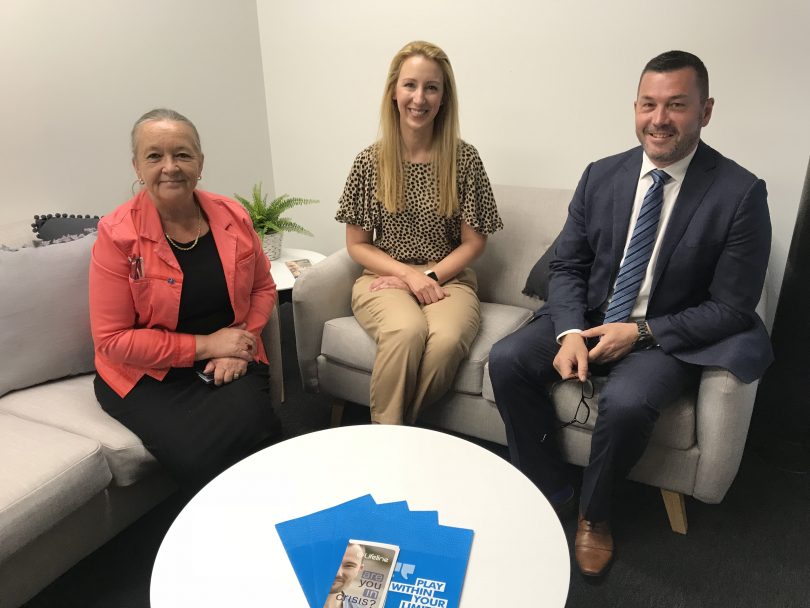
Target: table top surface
<point>281,273</point>
<point>223,549</point>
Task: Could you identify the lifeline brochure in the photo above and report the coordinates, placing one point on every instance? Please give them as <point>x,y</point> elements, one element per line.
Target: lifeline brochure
<point>409,559</point>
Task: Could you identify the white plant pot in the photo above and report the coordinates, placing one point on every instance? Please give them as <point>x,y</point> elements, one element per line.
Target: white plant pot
<point>271,244</point>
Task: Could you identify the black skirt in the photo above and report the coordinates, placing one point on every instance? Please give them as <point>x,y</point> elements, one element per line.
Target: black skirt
<point>193,429</point>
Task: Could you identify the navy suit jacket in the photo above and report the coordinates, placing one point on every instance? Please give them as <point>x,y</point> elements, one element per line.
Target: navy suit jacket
<point>710,270</point>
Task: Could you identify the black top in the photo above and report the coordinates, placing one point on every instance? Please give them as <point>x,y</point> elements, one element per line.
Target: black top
<point>205,305</point>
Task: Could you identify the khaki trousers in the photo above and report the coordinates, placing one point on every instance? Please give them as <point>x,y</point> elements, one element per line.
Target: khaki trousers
<point>419,348</point>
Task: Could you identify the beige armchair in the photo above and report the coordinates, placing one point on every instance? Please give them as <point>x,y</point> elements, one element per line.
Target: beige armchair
<point>696,446</point>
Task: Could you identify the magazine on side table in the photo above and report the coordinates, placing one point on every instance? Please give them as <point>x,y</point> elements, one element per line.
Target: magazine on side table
<point>298,266</point>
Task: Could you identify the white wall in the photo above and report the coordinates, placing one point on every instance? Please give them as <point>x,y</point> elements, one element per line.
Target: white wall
<point>545,87</point>
<point>76,75</point>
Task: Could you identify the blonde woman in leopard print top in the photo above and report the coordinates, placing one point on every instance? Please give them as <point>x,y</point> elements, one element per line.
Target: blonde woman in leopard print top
<point>418,207</point>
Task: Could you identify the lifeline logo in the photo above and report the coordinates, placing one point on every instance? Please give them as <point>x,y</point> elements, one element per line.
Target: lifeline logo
<point>405,570</point>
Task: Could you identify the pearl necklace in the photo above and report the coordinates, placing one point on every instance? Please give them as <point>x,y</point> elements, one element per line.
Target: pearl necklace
<point>199,231</point>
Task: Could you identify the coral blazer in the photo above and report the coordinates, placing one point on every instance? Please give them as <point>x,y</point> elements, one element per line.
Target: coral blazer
<point>135,285</point>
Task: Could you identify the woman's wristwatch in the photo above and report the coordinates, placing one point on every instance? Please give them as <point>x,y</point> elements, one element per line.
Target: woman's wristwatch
<point>432,275</point>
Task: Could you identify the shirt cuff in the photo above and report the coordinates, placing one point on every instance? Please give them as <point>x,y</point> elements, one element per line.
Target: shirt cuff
<point>186,350</point>
<point>566,332</point>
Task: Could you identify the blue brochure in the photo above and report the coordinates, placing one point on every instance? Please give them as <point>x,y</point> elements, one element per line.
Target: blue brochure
<point>304,538</point>
<point>427,568</point>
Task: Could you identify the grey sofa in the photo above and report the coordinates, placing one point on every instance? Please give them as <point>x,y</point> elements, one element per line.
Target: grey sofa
<point>71,477</point>
<point>697,444</point>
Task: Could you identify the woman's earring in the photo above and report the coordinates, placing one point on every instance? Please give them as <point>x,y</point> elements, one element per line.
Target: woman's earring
<point>199,177</point>
<point>132,187</point>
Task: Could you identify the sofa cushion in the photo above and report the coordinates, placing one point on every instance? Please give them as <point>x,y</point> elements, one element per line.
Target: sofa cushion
<point>537,281</point>
<point>533,218</point>
<point>56,226</point>
<point>46,474</point>
<point>675,427</point>
<point>45,327</point>
<point>16,234</point>
<point>497,321</point>
<point>345,342</point>
<point>71,405</point>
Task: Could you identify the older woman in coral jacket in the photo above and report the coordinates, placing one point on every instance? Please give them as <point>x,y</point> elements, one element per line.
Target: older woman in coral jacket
<point>179,293</point>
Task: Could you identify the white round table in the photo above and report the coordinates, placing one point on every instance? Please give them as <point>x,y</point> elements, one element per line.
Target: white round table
<point>223,549</point>
<point>282,276</point>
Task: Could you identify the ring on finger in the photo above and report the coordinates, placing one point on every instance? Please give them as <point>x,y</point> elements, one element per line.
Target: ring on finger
<point>236,376</point>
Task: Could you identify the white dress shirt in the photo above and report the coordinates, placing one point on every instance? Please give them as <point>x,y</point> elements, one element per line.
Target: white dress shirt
<point>676,172</point>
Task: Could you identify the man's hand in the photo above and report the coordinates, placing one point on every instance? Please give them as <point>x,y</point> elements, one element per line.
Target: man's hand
<point>572,358</point>
<point>616,340</point>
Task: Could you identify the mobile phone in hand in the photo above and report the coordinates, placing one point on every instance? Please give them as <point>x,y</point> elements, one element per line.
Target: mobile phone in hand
<point>207,378</point>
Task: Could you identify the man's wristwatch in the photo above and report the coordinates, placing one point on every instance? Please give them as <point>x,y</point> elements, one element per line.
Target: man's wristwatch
<point>432,275</point>
<point>645,338</point>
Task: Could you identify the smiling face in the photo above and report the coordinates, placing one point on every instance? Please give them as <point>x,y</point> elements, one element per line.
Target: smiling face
<point>418,93</point>
<point>350,566</point>
<point>168,160</point>
<point>670,114</point>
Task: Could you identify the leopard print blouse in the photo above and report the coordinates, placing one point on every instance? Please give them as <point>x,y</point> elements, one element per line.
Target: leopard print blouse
<point>419,234</point>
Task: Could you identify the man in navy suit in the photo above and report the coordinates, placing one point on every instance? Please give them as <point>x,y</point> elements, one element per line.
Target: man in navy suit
<point>647,314</point>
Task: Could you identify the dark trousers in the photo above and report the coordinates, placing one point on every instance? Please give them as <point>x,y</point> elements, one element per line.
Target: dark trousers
<point>637,388</point>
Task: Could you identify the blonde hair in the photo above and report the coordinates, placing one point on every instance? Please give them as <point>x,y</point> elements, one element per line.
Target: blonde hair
<point>390,171</point>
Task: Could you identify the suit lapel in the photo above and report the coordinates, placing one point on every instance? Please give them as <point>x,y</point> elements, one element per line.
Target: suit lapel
<point>698,179</point>
<point>625,185</point>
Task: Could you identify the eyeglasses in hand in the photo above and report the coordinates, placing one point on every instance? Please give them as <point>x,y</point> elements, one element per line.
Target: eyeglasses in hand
<point>587,392</point>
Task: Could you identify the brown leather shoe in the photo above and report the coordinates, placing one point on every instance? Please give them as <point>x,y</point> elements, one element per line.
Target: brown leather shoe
<point>593,547</point>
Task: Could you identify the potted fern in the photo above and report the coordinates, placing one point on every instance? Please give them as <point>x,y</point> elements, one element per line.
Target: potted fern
<point>267,220</point>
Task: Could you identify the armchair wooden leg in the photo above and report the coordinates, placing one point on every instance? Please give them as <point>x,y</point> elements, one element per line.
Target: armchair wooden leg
<point>676,510</point>
<point>337,412</point>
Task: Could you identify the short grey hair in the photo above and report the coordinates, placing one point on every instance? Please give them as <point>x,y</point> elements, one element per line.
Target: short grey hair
<point>163,114</point>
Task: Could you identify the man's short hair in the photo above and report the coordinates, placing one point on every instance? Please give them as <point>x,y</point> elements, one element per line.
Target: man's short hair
<point>362,551</point>
<point>677,60</point>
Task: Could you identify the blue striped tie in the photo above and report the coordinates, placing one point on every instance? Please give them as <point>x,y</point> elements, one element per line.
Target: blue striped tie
<point>639,250</point>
